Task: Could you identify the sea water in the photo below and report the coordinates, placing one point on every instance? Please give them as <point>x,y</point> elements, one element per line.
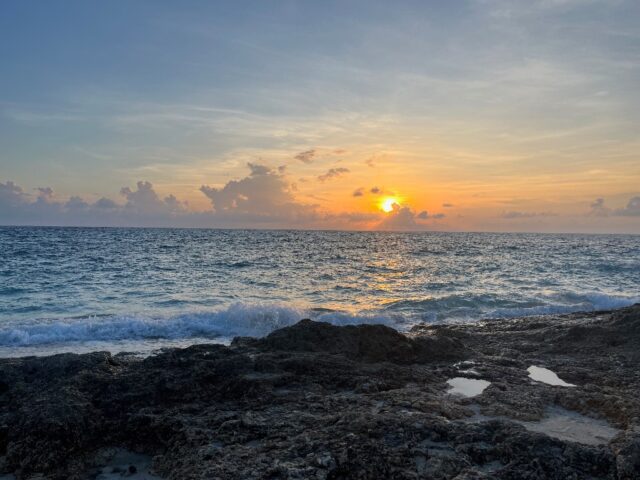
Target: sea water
<point>119,289</point>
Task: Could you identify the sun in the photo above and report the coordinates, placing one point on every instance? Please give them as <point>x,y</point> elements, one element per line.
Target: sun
<point>387,203</point>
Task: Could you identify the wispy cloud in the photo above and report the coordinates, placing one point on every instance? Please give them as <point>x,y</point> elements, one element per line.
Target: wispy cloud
<point>333,173</point>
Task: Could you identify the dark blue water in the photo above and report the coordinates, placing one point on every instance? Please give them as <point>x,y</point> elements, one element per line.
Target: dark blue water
<point>70,289</point>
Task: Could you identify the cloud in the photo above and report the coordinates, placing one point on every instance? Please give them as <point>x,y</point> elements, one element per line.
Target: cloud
<point>515,214</point>
<point>76,203</point>
<point>145,200</point>
<point>402,217</point>
<point>448,205</point>
<point>45,192</point>
<point>631,210</point>
<point>12,195</point>
<point>143,207</point>
<point>598,208</point>
<point>105,204</point>
<point>376,190</point>
<point>306,156</point>
<point>333,173</point>
<point>264,196</point>
<point>424,215</point>
<point>359,192</point>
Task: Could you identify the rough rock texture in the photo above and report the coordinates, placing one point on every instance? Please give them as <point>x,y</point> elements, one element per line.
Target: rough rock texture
<point>319,401</point>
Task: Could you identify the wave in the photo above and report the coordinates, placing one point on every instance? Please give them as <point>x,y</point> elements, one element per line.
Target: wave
<point>259,320</point>
<point>461,307</point>
<point>236,320</point>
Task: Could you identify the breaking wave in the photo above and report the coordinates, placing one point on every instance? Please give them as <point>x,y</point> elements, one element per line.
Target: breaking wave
<point>259,320</point>
<point>236,320</point>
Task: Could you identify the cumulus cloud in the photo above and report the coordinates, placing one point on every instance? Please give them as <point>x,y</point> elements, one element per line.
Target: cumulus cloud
<point>143,207</point>
<point>144,199</point>
<point>12,195</point>
<point>263,196</point>
<point>359,192</point>
<point>46,193</point>
<point>306,157</point>
<point>333,173</point>
<point>402,217</point>
<point>598,208</point>
<point>105,204</point>
<point>631,210</point>
<point>76,203</point>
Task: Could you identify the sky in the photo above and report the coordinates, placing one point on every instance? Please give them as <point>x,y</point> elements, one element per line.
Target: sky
<point>470,115</point>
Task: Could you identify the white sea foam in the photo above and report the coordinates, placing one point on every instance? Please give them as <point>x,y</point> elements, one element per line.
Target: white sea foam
<point>236,320</point>
<point>221,325</point>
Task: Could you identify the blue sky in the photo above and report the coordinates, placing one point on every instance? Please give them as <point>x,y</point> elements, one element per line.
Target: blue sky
<point>521,114</point>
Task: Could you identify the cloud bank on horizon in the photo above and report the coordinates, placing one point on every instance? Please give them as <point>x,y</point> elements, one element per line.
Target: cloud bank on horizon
<point>475,115</point>
<point>263,199</point>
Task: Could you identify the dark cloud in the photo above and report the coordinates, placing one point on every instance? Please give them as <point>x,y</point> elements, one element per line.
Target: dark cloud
<point>306,157</point>
<point>333,173</point>
<point>448,205</point>
<point>376,190</point>
<point>359,192</point>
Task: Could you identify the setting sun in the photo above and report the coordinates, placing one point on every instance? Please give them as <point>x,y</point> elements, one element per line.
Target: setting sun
<point>387,203</point>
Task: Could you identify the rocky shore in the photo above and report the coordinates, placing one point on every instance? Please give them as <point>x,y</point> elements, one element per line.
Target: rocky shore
<point>554,397</point>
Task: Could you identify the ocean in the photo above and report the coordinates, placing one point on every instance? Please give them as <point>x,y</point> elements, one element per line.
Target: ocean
<point>139,290</point>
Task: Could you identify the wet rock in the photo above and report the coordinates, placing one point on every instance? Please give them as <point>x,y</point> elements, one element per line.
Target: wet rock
<point>368,343</point>
<point>320,401</point>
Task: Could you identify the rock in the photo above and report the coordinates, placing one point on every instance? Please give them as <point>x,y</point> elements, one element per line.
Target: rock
<point>367,343</point>
<point>318,401</point>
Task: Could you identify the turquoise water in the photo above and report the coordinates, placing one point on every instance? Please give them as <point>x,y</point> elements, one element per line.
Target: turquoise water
<point>75,289</point>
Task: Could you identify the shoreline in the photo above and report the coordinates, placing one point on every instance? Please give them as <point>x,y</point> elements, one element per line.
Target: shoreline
<point>315,400</point>
<point>86,336</point>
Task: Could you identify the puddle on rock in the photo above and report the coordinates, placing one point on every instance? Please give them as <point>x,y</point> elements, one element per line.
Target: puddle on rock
<point>561,424</point>
<point>544,375</point>
<point>121,463</point>
<point>466,387</point>
<point>573,427</point>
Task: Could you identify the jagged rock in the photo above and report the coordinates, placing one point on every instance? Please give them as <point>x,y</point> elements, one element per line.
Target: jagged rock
<point>320,401</point>
<point>367,343</point>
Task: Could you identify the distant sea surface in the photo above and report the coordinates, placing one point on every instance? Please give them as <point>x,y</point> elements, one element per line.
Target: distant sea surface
<point>78,290</point>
